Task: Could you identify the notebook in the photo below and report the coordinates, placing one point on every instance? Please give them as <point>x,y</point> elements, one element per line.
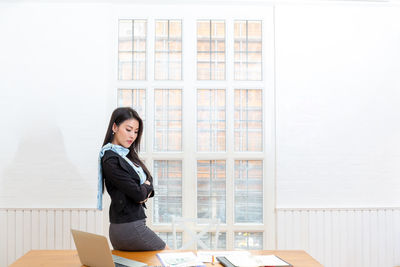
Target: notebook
<point>253,261</point>
<point>93,251</point>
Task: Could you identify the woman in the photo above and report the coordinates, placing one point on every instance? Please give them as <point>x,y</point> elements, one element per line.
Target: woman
<point>128,183</point>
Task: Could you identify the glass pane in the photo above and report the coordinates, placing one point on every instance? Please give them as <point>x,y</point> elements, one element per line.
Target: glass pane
<point>168,238</point>
<point>203,71</point>
<point>254,46</point>
<point>203,45</point>
<point>218,46</point>
<point>211,122</point>
<point>254,29</point>
<point>248,50</point>
<point>132,50</point>
<point>217,71</point>
<point>125,40</point>
<point>161,28</point>
<point>240,29</point>
<point>134,98</point>
<point>124,98</point>
<point>209,240</point>
<point>161,65</point>
<point>203,29</point>
<point>211,189</point>
<point>254,71</point>
<point>254,57</point>
<point>248,120</point>
<point>161,57</point>
<point>161,45</point>
<point>249,240</point>
<point>125,65</point>
<point>168,50</point>
<point>125,45</point>
<point>210,50</point>
<point>240,71</point>
<point>168,119</point>
<point>248,191</point>
<point>175,45</point>
<point>218,58</point>
<point>139,45</point>
<point>175,28</point>
<point>168,190</point>
<point>139,29</point>
<point>176,71</point>
<point>217,29</point>
<point>240,45</point>
<point>204,58</point>
<point>175,57</point>
<point>139,66</point>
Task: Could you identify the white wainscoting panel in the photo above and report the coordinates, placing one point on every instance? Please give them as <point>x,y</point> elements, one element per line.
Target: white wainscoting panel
<point>366,237</point>
<point>359,237</point>
<point>24,229</point>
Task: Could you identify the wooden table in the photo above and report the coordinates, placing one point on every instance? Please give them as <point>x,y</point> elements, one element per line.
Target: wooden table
<point>69,258</point>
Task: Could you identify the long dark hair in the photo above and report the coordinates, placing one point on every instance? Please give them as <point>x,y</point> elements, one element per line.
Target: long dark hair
<point>118,116</point>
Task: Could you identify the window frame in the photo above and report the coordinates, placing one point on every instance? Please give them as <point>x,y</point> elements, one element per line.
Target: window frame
<point>189,85</point>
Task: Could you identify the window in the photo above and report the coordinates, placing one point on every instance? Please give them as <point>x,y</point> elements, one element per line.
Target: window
<point>205,121</point>
<point>168,50</point>
<point>168,190</point>
<point>210,50</point>
<point>248,50</point>
<point>211,121</point>
<point>248,191</point>
<point>132,50</point>
<point>248,120</point>
<point>248,240</point>
<point>169,239</point>
<point>168,120</point>
<point>209,240</point>
<point>211,189</point>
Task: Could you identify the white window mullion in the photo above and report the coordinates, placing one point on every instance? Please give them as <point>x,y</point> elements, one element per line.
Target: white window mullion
<point>269,141</point>
<point>229,111</point>
<point>189,119</point>
<point>149,110</point>
<point>150,134</point>
<point>166,110</point>
<point>215,119</point>
<point>164,119</point>
<point>189,102</point>
<point>150,50</point>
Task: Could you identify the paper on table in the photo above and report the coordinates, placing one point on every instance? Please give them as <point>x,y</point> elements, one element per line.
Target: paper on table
<point>242,260</point>
<point>253,261</point>
<point>270,260</point>
<point>179,259</point>
<point>206,256</point>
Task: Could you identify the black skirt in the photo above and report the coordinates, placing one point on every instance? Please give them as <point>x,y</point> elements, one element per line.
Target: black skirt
<point>134,236</point>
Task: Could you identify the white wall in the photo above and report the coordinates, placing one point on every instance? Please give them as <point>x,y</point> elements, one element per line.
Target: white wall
<point>54,77</point>
<point>336,95</point>
<point>337,130</point>
<point>337,105</point>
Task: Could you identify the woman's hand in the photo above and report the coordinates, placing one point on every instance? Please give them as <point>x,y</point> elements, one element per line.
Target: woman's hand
<point>147,182</point>
<point>146,198</point>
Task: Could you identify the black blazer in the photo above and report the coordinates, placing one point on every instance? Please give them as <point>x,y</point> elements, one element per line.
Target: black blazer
<point>123,185</point>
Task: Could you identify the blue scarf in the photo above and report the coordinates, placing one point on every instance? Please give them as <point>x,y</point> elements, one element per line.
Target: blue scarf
<point>122,151</point>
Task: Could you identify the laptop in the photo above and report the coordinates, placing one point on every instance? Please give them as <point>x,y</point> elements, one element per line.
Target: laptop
<point>93,251</point>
